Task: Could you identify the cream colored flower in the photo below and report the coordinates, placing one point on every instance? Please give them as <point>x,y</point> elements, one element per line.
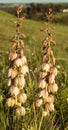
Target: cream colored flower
<point>20,111</point>
<point>20,82</point>
<point>38,102</point>
<point>51,78</point>
<point>24,60</point>
<point>22,98</point>
<point>53,70</point>
<point>17,111</point>
<point>43,74</point>
<point>18,62</point>
<point>53,87</point>
<point>24,69</point>
<point>14,90</point>
<point>10,102</point>
<point>45,67</point>
<point>50,106</point>
<point>12,73</point>
<point>42,84</point>
<point>43,93</point>
<point>9,72</point>
<point>50,98</point>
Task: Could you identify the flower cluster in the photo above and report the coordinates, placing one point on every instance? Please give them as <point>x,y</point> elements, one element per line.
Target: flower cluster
<point>47,85</point>
<point>17,71</point>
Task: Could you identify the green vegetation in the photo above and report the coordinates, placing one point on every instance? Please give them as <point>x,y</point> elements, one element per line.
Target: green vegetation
<point>33,50</point>
<point>61,18</point>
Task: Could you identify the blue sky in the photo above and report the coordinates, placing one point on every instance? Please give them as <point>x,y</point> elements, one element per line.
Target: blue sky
<point>28,1</point>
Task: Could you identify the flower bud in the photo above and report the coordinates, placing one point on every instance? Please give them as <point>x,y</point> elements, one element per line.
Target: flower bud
<point>38,102</point>
<point>44,57</point>
<point>53,60</point>
<point>23,35</point>
<point>22,44</point>
<point>14,90</point>
<point>19,9</point>
<point>53,87</point>
<point>12,56</point>
<point>21,53</point>
<point>13,45</point>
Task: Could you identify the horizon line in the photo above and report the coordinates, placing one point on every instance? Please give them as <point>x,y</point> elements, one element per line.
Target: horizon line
<point>30,2</point>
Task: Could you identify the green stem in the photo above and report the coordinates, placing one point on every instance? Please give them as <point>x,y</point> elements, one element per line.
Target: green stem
<point>40,124</point>
<point>18,30</point>
<point>14,122</point>
<point>35,116</point>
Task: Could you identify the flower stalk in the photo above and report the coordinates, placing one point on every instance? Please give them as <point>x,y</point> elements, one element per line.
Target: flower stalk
<point>18,70</point>
<point>47,86</point>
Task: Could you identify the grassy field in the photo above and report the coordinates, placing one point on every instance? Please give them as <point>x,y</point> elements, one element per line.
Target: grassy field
<point>33,51</point>
<point>61,18</point>
<point>34,36</point>
<point>32,30</point>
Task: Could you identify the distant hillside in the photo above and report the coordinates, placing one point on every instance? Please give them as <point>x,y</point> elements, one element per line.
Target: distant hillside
<point>37,11</point>
<point>61,18</point>
<point>34,7</point>
<point>8,5</point>
<point>10,8</point>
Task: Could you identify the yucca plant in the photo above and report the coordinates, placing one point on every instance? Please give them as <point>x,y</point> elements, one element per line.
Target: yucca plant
<point>17,73</point>
<point>47,86</point>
